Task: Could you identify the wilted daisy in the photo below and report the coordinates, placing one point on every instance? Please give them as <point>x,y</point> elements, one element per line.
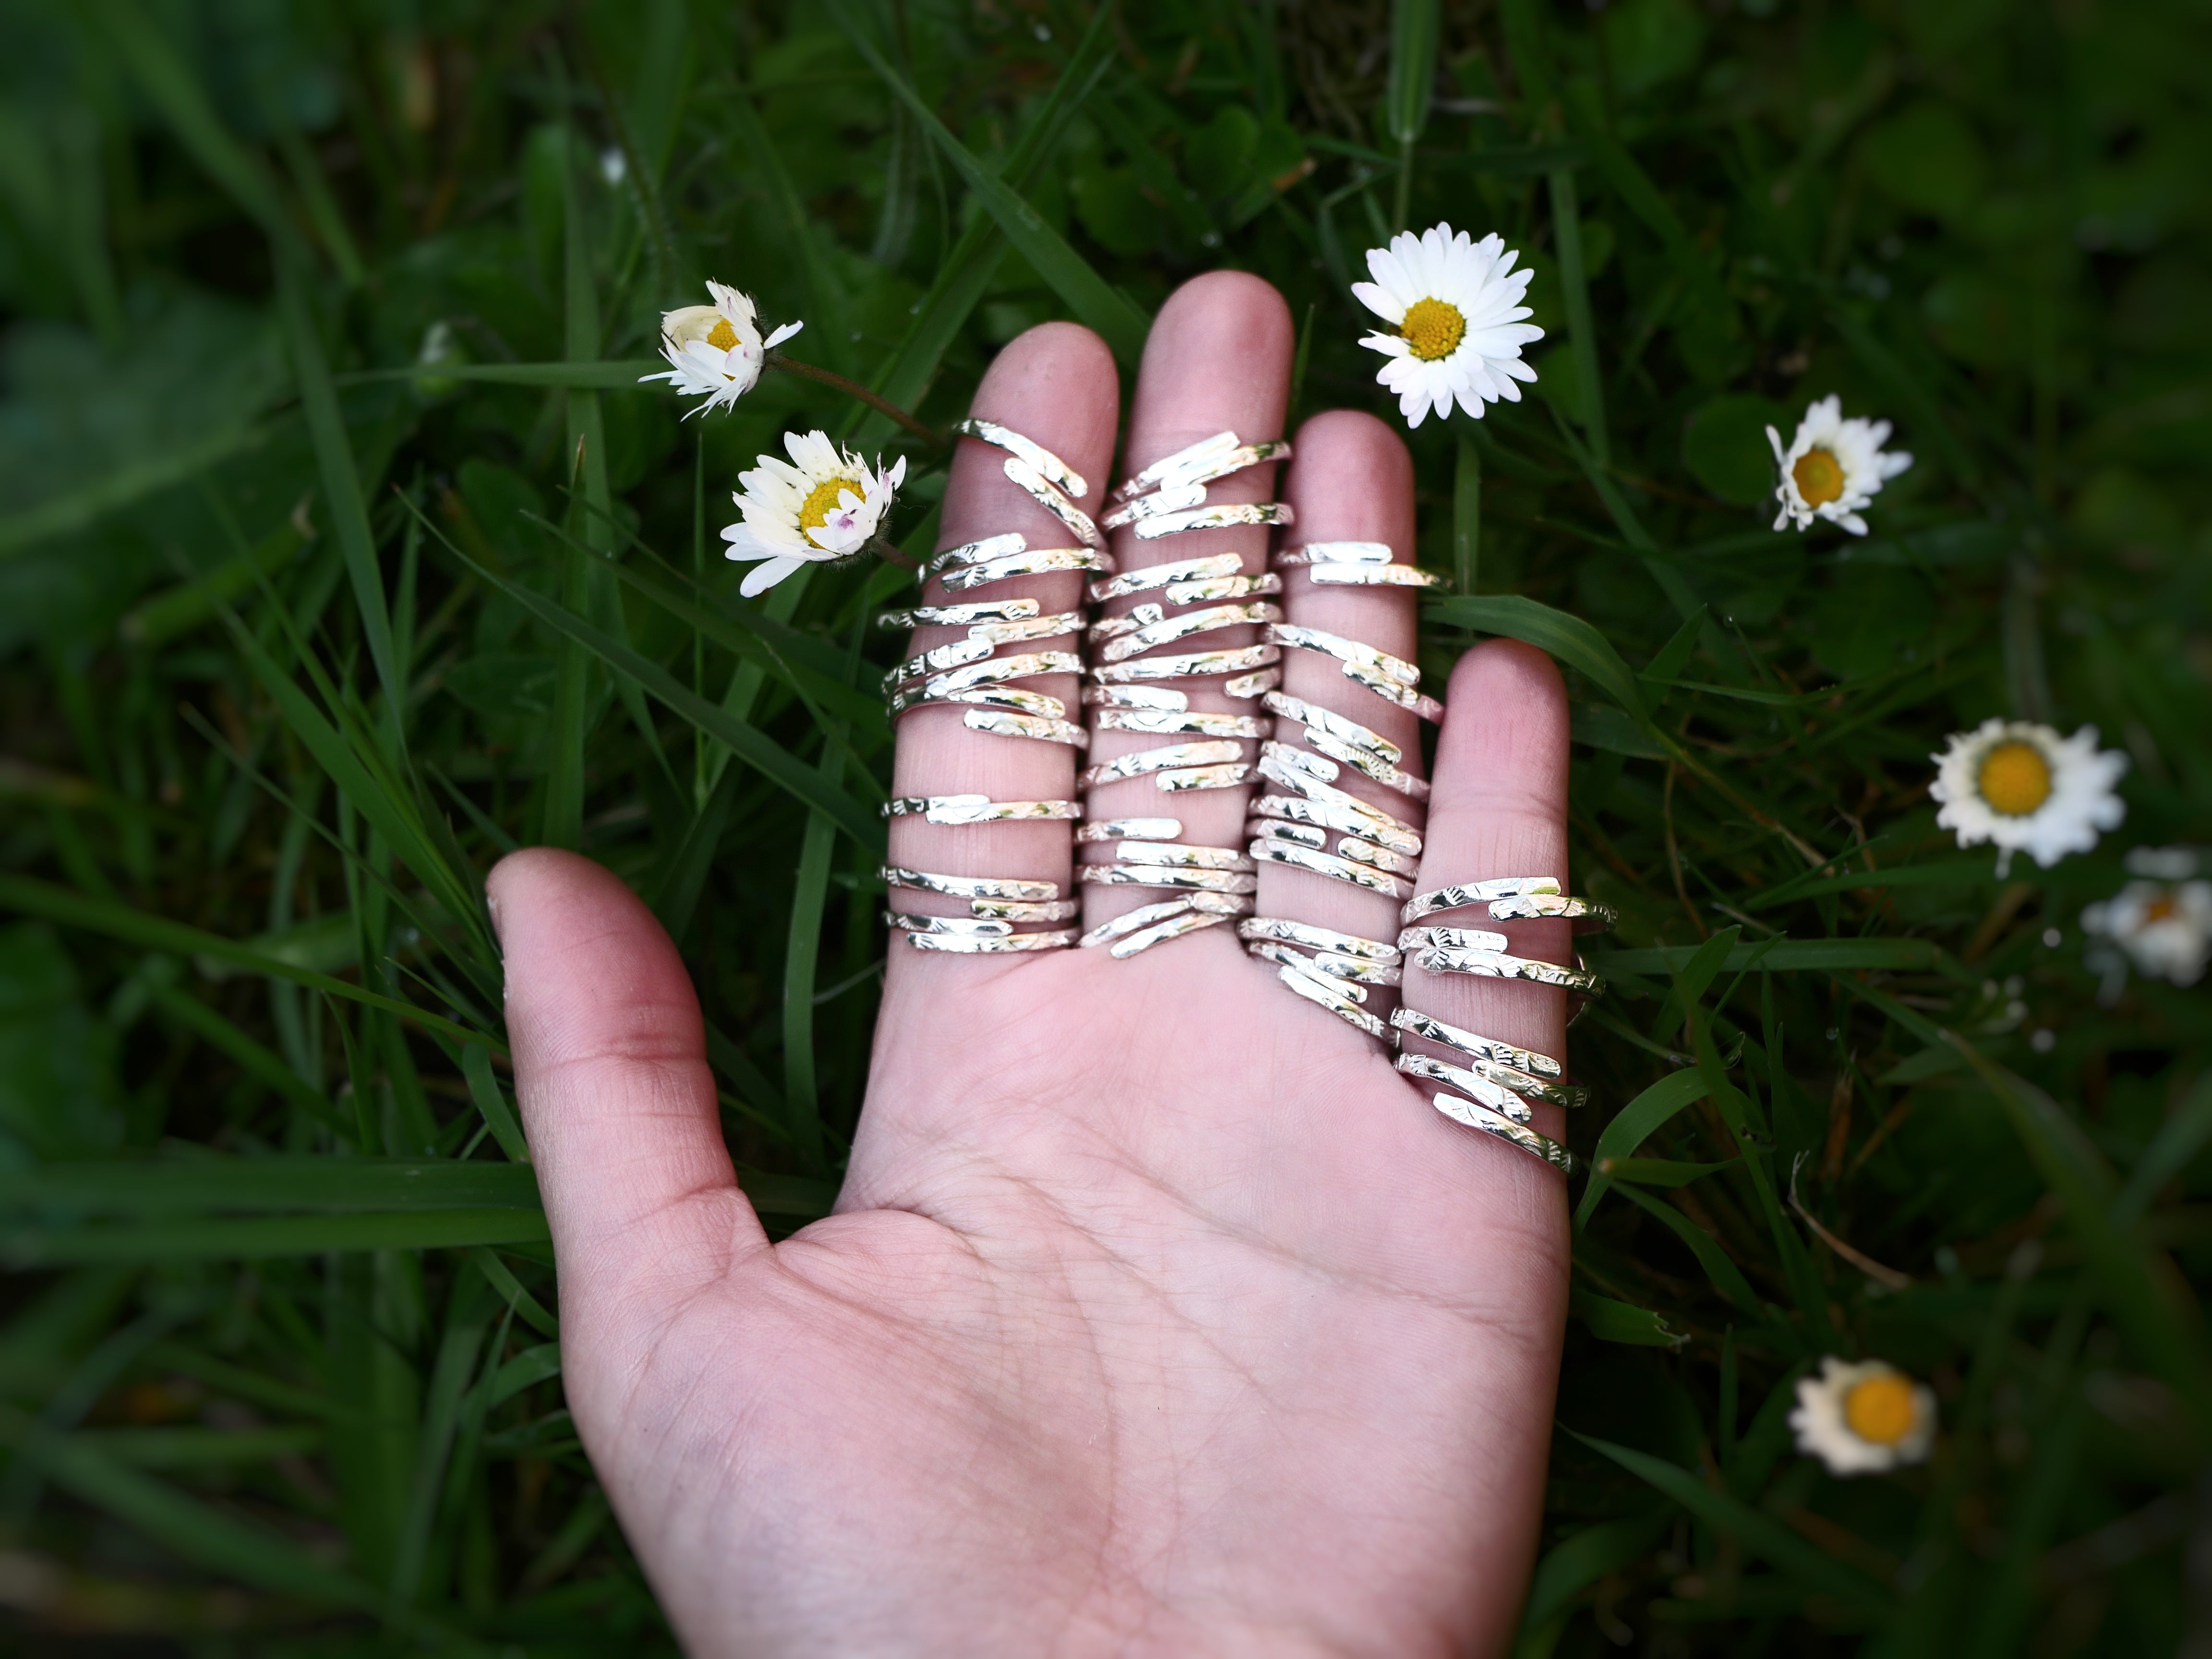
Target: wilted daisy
<point>1863,1418</point>
<point>1455,306</point>
<point>2165,928</point>
<point>716,351</point>
<point>1833,467</point>
<point>823,503</point>
<point>2027,789</point>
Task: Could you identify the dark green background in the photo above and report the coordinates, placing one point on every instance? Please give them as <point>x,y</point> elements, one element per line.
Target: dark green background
<point>307,611</point>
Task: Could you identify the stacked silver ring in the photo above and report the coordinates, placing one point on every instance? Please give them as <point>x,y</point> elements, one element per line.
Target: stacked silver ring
<point>1179,602</point>
<point>1307,822</point>
<point>1488,1085</point>
<point>978,673</point>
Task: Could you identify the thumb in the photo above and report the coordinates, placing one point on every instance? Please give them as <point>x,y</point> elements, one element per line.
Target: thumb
<point>611,1071</point>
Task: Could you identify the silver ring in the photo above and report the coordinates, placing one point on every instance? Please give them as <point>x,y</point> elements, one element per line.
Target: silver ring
<point>1039,704</point>
<point>1040,459</point>
<point>1451,938</point>
<point>1366,553</point>
<point>1315,718</point>
<point>1049,497</point>
<point>1100,830</point>
<point>992,887</point>
<point>1361,821</point>
<point>1170,758</point>
<point>1508,898</point>
<point>1035,561</point>
<point>1166,631</point>
<point>965,944</point>
<point>1355,972</point>
<point>1222,906</point>
<point>1359,851</point>
<point>1504,1128</point>
<point>1319,938</point>
<point>1238,660</point>
<point>1172,880</point>
<point>963,616</point>
<point>1371,576</point>
<point>980,552</point>
<point>1493,1086</point>
<point>1328,865</point>
<point>1165,575</point>
<point>1180,855</point>
<point>1333,750</point>
<point>1335,996</point>
<point>1225,516</point>
<point>1201,462</point>
<point>1002,723</point>
<point>1176,722</point>
<point>979,809</point>
<point>1495,964</point>
<point>1428,1026</point>
<point>1392,679</point>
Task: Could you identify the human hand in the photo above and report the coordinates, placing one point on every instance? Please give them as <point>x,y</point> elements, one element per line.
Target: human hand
<point>1159,1314</point>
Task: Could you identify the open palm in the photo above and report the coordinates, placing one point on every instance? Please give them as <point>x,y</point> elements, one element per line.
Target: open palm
<point>1159,1314</point>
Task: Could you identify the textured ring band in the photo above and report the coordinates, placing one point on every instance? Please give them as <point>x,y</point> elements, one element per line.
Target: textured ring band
<point>1495,964</point>
<point>966,945</point>
<point>1040,459</point>
<point>1504,1128</point>
<point>1412,1022</point>
<point>1508,898</point>
<point>1225,516</point>
<point>979,809</point>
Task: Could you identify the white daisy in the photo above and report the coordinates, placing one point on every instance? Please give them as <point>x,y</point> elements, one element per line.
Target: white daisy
<point>2027,789</point>
<point>1455,306</point>
<point>2165,927</point>
<point>1833,467</point>
<point>716,351</point>
<point>1863,1418</point>
<point>824,504</point>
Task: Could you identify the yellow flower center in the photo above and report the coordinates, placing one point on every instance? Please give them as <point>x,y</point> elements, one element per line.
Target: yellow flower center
<point>721,336</point>
<point>1881,1409</point>
<point>821,500</point>
<point>2015,779</point>
<point>2160,909</point>
<point>1818,477</point>
<point>1433,329</point>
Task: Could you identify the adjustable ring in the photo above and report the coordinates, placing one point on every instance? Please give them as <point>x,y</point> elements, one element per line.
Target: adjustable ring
<point>1313,553</point>
<point>1183,721</point>
<point>1138,930</point>
<point>1170,758</point>
<point>1495,1087</point>
<point>1175,880</point>
<point>1339,999</point>
<point>980,808</point>
<point>1315,718</point>
<point>1327,863</point>
<point>1450,939</point>
<point>1004,723</point>
<point>1030,561</point>
<point>1354,848</point>
<point>963,616</point>
<point>1392,679</point>
<point>1151,629</point>
<point>991,887</point>
<point>1163,575</point>
<point>1201,464</point>
<point>1037,705</point>
<point>1240,659</point>
<point>1224,515</point>
<point>979,945</point>
<point>1475,1116</point>
<point>1104,829</point>
<point>1039,460</point>
<point>1049,495</point>
<point>1392,833</point>
<point>1508,898</point>
<point>977,552</point>
<point>1495,964</point>
<point>1428,1026</point>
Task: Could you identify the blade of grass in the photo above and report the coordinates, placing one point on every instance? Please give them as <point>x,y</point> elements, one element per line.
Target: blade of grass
<point>23,1247</point>
<point>1414,28</point>
<point>284,1182</point>
<point>1726,1276</point>
<point>491,1103</point>
<point>1631,1126</point>
<point>1467,519</point>
<point>1105,310</point>
<point>1569,638</point>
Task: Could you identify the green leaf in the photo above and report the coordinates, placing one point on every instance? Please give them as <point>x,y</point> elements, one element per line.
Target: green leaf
<point>602,376</point>
<point>1758,1532</point>
<point>1569,638</point>
<point>1105,310</point>
<point>1634,1124</point>
<point>38,898</point>
<point>1726,1276</point>
<point>744,739</point>
<point>1573,1565</point>
<point>527,1370</point>
<point>1414,26</point>
<point>491,1103</point>
<point>1661,1171</point>
<point>1618,1322</point>
<point>28,1247</point>
<point>1725,445</point>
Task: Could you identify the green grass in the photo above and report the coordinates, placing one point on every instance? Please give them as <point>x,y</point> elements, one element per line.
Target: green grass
<point>308,611</point>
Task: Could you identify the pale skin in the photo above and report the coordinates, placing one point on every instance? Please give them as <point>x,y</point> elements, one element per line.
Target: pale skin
<point>1158,1314</point>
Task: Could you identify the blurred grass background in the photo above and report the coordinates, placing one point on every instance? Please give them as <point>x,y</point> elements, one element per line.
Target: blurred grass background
<point>339,552</point>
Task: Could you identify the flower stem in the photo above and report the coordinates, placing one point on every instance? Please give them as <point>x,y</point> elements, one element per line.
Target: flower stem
<point>829,377</point>
<point>884,549</point>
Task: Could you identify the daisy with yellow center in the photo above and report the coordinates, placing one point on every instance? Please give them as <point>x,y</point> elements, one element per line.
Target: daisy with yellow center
<point>1833,467</point>
<point>716,351</point>
<point>2163,929</point>
<point>824,503</point>
<point>1863,1418</point>
<point>1455,309</point>
<point>2025,789</point>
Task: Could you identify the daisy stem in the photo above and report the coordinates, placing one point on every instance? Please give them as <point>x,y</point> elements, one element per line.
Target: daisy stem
<point>829,377</point>
<point>884,549</point>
